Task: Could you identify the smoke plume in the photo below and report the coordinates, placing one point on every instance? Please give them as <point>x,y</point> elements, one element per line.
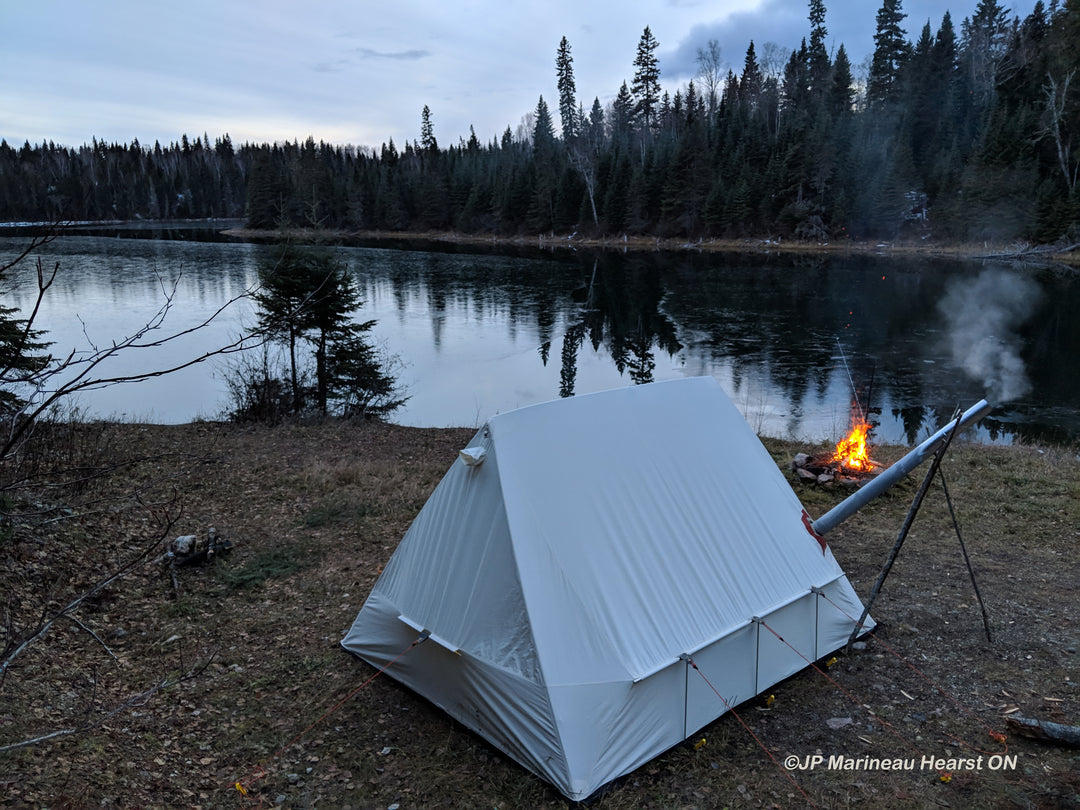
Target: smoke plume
<point>983,317</point>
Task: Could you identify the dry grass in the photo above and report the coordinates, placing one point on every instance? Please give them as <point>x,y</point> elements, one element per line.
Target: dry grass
<point>315,512</point>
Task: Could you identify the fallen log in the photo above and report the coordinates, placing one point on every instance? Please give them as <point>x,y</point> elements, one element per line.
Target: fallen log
<point>1045,730</point>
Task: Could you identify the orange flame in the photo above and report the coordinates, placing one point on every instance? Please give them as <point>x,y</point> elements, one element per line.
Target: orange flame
<point>853,451</point>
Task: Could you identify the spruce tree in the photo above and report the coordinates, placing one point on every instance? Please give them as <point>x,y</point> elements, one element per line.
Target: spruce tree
<point>427,131</point>
<point>286,283</point>
<point>543,132</point>
<point>890,54</point>
<point>750,85</point>
<point>622,114</point>
<point>919,80</point>
<point>359,383</point>
<point>308,296</point>
<point>945,68</point>
<point>542,212</point>
<point>595,129</point>
<point>646,84</point>
<point>818,58</point>
<point>796,89</point>
<point>842,93</point>
<point>21,346</point>
<point>564,70</point>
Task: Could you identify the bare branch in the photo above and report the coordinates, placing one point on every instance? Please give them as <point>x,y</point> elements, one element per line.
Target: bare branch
<point>36,242</point>
<point>77,475</point>
<point>140,699</point>
<point>75,620</point>
<point>46,624</point>
<point>85,366</point>
<point>1056,97</point>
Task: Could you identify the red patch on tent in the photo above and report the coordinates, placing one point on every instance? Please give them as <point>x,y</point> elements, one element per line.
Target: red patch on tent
<point>810,528</point>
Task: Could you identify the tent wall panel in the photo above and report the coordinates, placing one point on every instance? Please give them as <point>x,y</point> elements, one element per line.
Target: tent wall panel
<point>730,665</point>
<point>512,713</point>
<point>796,624</point>
<point>619,727</point>
<point>837,615</point>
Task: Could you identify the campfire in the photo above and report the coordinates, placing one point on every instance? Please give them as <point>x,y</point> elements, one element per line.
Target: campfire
<point>853,451</point>
<point>848,464</point>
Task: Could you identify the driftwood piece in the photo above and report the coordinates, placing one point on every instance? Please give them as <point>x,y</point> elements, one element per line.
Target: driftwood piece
<point>1045,730</point>
<point>190,549</point>
<point>827,470</point>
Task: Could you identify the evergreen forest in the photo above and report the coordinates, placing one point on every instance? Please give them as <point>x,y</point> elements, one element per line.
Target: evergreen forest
<point>969,132</point>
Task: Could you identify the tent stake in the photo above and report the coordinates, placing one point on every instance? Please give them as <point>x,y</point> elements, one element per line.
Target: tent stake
<point>912,512</point>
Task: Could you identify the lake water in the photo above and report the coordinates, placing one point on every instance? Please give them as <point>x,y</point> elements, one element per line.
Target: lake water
<point>791,339</point>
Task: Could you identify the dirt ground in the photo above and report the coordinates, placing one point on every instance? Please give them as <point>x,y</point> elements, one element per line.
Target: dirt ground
<point>173,695</point>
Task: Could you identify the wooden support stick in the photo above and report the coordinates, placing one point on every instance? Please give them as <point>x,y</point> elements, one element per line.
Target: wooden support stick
<point>967,560</point>
<point>912,512</point>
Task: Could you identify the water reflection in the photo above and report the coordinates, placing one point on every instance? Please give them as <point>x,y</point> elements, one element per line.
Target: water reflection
<point>792,339</point>
<point>619,312</point>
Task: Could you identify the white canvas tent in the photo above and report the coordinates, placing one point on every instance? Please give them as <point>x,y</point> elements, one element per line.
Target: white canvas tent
<point>576,551</point>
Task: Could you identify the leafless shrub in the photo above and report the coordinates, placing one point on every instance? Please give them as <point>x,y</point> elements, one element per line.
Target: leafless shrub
<point>50,459</point>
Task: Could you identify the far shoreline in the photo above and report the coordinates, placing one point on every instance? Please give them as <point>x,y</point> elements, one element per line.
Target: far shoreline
<point>1015,251</point>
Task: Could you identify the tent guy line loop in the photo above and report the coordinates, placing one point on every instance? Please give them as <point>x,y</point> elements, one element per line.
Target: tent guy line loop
<point>997,736</point>
<point>693,665</point>
<point>945,776</point>
<point>260,771</point>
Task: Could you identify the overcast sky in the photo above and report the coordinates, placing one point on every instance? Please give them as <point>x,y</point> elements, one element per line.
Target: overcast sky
<point>357,72</point>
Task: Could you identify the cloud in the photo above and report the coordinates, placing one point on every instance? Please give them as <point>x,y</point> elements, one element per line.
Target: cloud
<point>784,22</point>
<point>409,55</point>
<point>332,66</point>
<point>94,71</point>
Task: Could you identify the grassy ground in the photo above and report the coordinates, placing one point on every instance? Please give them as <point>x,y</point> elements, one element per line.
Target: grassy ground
<point>315,512</point>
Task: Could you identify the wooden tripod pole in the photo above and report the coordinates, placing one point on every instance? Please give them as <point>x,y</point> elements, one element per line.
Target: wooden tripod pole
<point>910,519</point>
<point>967,560</point>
